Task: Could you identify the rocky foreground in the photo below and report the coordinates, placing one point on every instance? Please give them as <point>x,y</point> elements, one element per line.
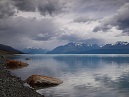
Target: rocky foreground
<point>12,86</point>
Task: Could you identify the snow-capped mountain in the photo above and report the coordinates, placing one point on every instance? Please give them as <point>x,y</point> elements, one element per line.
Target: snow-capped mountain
<point>117,45</point>
<point>74,48</point>
<point>121,43</point>
<point>35,50</point>
<point>84,48</point>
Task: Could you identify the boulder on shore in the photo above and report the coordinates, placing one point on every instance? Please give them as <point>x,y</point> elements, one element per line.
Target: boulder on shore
<point>39,81</point>
<point>15,64</point>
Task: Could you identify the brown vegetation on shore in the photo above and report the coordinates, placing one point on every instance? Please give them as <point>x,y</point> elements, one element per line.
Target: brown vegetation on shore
<point>15,64</point>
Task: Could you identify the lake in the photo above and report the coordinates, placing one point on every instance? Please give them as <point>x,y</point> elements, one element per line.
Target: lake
<point>82,75</point>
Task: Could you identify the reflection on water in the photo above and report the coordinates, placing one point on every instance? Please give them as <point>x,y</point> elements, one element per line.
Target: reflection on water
<point>82,75</point>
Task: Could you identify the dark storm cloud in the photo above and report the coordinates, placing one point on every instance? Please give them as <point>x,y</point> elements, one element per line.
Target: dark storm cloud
<point>6,9</point>
<point>122,18</point>
<point>49,7</point>
<point>53,7</point>
<point>102,27</point>
<point>45,7</point>
<point>25,5</point>
<point>119,20</point>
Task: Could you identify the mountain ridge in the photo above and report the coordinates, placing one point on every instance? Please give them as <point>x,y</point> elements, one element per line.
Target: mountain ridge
<point>9,49</point>
<point>73,48</point>
<point>84,48</point>
<point>34,50</point>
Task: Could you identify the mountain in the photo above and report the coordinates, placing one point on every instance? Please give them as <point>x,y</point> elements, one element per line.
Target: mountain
<point>73,48</point>
<point>9,49</point>
<point>117,45</point>
<point>117,48</point>
<point>84,48</point>
<point>34,50</point>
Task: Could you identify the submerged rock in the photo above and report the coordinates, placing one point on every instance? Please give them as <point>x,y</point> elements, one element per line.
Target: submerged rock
<point>27,58</point>
<point>14,64</point>
<point>39,81</point>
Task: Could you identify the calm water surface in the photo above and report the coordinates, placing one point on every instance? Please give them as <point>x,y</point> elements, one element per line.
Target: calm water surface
<point>82,75</point>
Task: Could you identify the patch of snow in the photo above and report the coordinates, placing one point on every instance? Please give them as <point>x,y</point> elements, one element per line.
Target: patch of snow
<point>121,43</point>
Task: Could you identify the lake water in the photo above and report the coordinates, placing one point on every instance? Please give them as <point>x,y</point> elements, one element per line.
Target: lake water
<point>82,75</point>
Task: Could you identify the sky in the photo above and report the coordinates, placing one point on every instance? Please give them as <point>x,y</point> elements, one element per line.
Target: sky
<point>50,23</point>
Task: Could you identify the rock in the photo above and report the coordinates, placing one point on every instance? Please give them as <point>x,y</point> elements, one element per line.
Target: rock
<point>39,81</point>
<point>14,64</point>
<point>3,57</point>
<point>27,58</point>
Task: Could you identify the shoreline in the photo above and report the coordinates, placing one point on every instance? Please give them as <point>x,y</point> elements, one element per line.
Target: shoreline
<point>12,86</point>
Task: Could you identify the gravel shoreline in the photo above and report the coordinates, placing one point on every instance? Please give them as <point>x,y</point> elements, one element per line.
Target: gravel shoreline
<point>12,86</point>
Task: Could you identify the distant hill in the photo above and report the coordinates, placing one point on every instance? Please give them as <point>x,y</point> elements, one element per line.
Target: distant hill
<point>84,48</point>
<point>9,49</point>
<point>34,50</point>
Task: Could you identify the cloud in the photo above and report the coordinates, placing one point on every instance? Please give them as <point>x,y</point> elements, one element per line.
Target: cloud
<point>83,19</point>
<point>25,5</point>
<point>91,7</point>
<point>102,27</point>
<point>54,7</point>
<point>120,20</point>
<point>76,38</point>
<point>120,83</point>
<point>6,9</point>
<point>43,37</point>
<point>26,31</point>
<point>54,22</point>
<point>45,7</point>
<point>49,7</point>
